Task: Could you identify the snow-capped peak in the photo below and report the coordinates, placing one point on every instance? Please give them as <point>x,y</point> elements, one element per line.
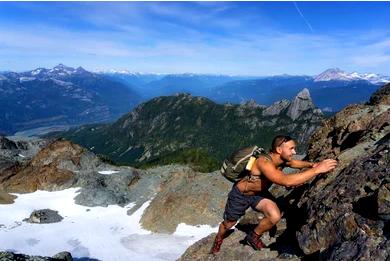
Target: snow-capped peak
<point>62,70</point>
<point>335,74</point>
<point>36,71</point>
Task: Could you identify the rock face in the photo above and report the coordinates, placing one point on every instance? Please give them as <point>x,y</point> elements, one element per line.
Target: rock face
<point>18,150</point>
<point>301,103</point>
<point>50,169</point>
<point>347,211</point>
<point>348,214</point>
<point>189,197</point>
<point>104,190</point>
<point>345,214</point>
<point>276,108</point>
<point>63,164</point>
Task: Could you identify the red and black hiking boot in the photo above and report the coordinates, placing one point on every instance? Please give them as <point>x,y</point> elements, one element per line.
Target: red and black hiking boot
<point>254,240</point>
<point>216,245</point>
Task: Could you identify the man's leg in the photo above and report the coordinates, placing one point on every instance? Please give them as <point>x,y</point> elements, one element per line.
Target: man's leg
<point>223,228</point>
<point>271,218</point>
<point>271,215</point>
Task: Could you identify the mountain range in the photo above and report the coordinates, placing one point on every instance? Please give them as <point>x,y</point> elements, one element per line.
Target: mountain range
<point>61,95</point>
<point>331,90</point>
<point>184,128</point>
<point>73,96</point>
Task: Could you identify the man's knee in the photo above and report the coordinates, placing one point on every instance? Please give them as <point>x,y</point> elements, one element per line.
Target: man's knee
<point>274,217</point>
<point>270,210</point>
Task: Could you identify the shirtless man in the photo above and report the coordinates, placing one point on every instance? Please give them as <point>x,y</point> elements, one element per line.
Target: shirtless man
<point>265,171</point>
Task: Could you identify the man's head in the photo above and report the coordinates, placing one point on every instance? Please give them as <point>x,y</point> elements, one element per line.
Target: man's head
<point>283,146</point>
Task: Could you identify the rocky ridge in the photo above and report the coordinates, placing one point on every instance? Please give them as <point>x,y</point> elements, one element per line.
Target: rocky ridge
<point>145,135</point>
<point>62,164</point>
<point>347,212</point>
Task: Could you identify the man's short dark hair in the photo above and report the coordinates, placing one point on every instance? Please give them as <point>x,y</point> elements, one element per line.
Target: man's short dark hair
<point>279,140</point>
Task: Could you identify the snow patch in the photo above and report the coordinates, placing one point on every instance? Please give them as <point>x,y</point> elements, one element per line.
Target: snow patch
<point>35,72</point>
<point>62,83</point>
<point>103,233</point>
<point>26,79</point>
<point>108,172</point>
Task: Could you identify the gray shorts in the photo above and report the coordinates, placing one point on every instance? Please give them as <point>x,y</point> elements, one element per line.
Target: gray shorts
<point>237,203</point>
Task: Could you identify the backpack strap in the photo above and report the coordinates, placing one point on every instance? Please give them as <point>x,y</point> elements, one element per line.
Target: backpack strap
<point>224,167</point>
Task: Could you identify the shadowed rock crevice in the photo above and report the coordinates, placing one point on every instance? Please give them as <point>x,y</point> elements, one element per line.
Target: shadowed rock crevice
<point>351,140</point>
<point>367,207</point>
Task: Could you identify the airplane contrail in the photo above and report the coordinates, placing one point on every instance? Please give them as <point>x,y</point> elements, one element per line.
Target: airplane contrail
<point>303,17</point>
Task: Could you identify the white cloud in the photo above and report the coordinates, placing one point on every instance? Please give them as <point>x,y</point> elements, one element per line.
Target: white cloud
<point>189,50</point>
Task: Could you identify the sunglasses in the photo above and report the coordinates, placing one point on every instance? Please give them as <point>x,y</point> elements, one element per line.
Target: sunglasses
<point>285,139</point>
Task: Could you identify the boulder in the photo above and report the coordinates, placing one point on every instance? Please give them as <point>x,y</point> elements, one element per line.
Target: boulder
<point>44,216</point>
<point>103,190</point>
<point>186,196</point>
<point>9,256</point>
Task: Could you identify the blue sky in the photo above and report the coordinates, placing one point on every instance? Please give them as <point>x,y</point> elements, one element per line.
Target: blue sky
<point>246,38</point>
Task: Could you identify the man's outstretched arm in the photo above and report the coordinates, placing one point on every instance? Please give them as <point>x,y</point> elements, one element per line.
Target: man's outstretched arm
<point>278,177</point>
<point>299,164</point>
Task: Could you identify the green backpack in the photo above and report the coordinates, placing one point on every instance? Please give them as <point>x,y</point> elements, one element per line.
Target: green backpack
<point>239,163</point>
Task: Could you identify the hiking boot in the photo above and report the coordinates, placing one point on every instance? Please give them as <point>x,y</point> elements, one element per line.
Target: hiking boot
<point>254,240</point>
<point>216,245</point>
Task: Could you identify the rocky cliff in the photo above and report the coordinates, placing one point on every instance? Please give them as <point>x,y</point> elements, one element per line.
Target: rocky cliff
<point>343,215</point>
<point>347,211</point>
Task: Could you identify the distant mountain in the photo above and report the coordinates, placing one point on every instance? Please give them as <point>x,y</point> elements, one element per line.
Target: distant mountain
<point>135,81</point>
<point>331,90</point>
<point>335,74</point>
<point>154,85</point>
<point>61,95</point>
<point>331,95</point>
<point>172,126</point>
